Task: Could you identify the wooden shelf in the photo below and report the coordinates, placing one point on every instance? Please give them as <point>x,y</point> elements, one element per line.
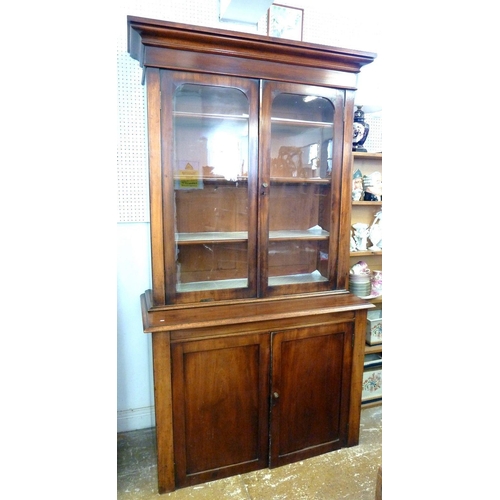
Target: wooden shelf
<point>366,203</point>
<point>285,235</point>
<point>219,179</point>
<point>370,404</point>
<point>292,279</point>
<point>242,236</point>
<point>368,156</point>
<point>301,180</point>
<point>274,180</point>
<point>211,237</point>
<point>296,279</point>
<point>210,116</point>
<point>212,285</point>
<point>301,123</point>
<point>373,349</point>
<point>365,253</point>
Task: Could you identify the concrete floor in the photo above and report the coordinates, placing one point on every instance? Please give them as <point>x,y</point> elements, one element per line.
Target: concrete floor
<point>349,473</point>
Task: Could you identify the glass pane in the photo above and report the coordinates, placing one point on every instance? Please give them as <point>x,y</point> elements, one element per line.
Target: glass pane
<point>300,194</point>
<point>211,151</point>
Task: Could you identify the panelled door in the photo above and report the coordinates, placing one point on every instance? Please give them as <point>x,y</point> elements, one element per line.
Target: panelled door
<point>300,179</point>
<point>220,407</point>
<point>310,384</point>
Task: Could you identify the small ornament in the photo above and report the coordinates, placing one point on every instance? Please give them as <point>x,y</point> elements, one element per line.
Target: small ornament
<point>357,186</point>
<point>360,235</point>
<point>372,184</point>
<point>353,244</point>
<point>376,281</point>
<point>360,130</point>
<point>375,233</point>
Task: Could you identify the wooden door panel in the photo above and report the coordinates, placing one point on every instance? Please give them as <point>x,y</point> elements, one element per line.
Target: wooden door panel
<point>310,391</point>
<point>221,401</point>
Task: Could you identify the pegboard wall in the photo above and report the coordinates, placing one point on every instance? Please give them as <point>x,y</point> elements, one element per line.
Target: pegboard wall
<point>346,27</point>
<point>373,142</point>
<point>132,159</point>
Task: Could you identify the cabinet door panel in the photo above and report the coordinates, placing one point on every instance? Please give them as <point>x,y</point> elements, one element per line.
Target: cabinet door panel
<point>220,390</point>
<point>300,195</point>
<point>209,141</point>
<point>310,391</point>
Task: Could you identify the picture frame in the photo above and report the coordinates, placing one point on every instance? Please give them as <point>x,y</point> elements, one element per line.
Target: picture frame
<point>285,22</point>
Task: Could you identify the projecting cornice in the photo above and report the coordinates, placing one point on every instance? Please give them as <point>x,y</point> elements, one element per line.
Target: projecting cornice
<point>177,46</point>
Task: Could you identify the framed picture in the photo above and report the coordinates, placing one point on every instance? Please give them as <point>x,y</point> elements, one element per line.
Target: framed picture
<point>285,22</point>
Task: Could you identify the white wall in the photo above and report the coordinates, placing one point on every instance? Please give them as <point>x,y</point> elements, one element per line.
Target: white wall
<point>330,23</point>
<point>134,362</point>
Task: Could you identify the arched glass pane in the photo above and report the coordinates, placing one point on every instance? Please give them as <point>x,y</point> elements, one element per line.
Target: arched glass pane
<point>300,193</point>
<point>211,154</point>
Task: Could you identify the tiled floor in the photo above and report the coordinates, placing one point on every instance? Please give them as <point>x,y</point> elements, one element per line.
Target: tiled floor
<point>349,473</point>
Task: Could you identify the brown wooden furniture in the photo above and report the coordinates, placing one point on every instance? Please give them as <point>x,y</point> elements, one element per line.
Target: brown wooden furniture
<point>257,344</point>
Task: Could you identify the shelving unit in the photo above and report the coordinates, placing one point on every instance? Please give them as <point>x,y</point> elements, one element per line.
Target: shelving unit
<point>364,211</point>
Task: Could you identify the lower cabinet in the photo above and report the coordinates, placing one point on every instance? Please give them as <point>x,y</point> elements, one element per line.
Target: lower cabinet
<point>254,385</point>
<point>259,400</point>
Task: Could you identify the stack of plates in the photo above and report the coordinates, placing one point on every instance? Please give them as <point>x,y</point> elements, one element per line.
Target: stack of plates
<point>360,284</point>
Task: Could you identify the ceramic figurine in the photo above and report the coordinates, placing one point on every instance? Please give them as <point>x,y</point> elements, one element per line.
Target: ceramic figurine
<point>353,244</point>
<point>375,233</point>
<point>357,186</point>
<point>360,235</point>
<point>376,281</point>
<point>372,184</point>
<point>288,163</point>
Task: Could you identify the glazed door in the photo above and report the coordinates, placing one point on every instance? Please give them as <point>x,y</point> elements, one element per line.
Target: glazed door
<point>311,374</point>
<point>220,407</point>
<point>300,187</point>
<point>209,132</point>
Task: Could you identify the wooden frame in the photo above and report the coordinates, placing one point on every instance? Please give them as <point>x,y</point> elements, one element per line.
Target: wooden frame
<point>285,22</point>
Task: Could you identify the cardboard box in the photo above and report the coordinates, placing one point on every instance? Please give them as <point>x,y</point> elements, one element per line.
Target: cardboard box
<point>374,327</point>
